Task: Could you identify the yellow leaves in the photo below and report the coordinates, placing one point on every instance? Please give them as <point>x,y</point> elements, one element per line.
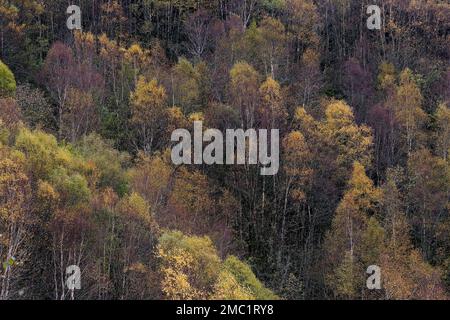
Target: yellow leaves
<point>47,198</point>
<point>186,84</point>
<point>372,243</point>
<point>45,160</point>
<point>46,192</point>
<point>148,101</point>
<point>410,277</point>
<point>109,49</point>
<point>337,138</point>
<point>135,205</point>
<point>78,101</point>
<point>272,101</point>
<point>443,116</point>
<point>304,121</point>
<point>227,288</point>
<point>176,114</point>
<point>244,275</point>
<point>40,150</point>
<point>148,93</point>
<point>353,142</point>
<point>136,55</point>
<point>251,41</point>
<point>395,257</point>
<point>151,177</point>
<point>64,157</point>
<point>11,171</point>
<point>426,279</point>
<point>67,159</point>
<point>339,114</point>
<point>176,286</point>
<point>243,74</point>
<point>136,213</point>
<point>387,75</point>
<point>179,257</point>
<point>304,17</point>
<point>396,278</point>
<point>343,280</point>
<point>245,91</point>
<point>149,115</point>
<point>188,265</point>
<point>206,257</point>
<point>105,41</point>
<point>12,12</point>
<point>31,7</point>
<point>297,157</point>
<point>134,51</point>
<point>84,40</point>
<point>362,190</point>
<point>359,181</point>
<point>273,42</point>
<point>176,119</point>
<point>14,188</point>
<point>44,156</point>
<point>310,57</point>
<point>408,92</point>
<point>73,187</point>
<point>355,237</point>
<point>408,106</point>
<point>107,199</point>
<point>39,8</point>
<point>190,194</point>
<point>272,29</point>
<point>295,141</point>
<point>196,116</point>
<point>185,67</point>
<point>430,177</point>
<point>192,269</point>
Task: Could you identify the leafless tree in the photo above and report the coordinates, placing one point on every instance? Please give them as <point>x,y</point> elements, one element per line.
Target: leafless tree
<point>199,31</point>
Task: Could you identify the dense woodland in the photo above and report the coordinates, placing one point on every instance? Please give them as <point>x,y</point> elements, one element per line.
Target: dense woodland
<point>86,177</point>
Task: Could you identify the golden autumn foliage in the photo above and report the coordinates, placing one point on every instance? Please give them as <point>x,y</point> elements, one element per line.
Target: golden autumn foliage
<point>148,103</point>
<point>192,269</point>
<point>353,142</point>
<point>297,167</point>
<point>272,110</point>
<point>354,237</point>
<point>86,177</point>
<point>408,108</point>
<point>15,216</point>
<point>406,274</point>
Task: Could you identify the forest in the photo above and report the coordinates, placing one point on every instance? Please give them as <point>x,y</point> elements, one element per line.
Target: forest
<point>86,177</point>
